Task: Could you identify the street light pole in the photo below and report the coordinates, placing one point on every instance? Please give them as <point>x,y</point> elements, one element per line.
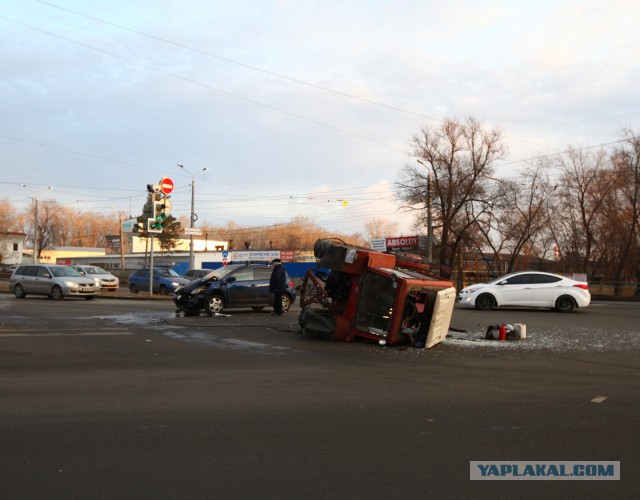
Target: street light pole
<point>193,192</point>
<point>429,215</point>
<point>193,197</point>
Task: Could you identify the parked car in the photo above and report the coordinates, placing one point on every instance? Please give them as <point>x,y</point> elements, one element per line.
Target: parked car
<point>165,280</point>
<point>528,289</point>
<point>55,281</point>
<point>104,279</point>
<point>233,286</point>
<point>193,274</point>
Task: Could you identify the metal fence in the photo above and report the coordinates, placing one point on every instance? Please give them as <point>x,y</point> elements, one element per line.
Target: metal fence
<point>612,289</point>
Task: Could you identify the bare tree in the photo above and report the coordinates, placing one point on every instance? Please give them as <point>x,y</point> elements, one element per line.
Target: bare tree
<point>586,182</point>
<point>526,214</point>
<point>48,223</point>
<point>9,217</point>
<point>626,160</point>
<point>459,154</point>
<point>380,227</point>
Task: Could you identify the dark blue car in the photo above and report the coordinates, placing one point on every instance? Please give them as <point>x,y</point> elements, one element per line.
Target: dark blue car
<point>233,286</point>
<point>165,280</point>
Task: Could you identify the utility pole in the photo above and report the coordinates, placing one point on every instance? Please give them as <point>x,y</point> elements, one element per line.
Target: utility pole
<point>121,241</point>
<point>35,224</point>
<point>35,233</point>
<point>121,245</point>
<point>429,220</point>
<point>429,213</point>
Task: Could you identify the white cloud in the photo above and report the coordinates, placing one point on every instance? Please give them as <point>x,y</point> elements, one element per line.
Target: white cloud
<point>550,73</point>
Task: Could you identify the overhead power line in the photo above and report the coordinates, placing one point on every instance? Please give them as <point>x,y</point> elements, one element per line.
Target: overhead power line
<point>262,70</point>
<point>206,86</point>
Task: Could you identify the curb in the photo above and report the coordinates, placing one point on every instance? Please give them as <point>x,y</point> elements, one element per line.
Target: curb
<point>115,295</point>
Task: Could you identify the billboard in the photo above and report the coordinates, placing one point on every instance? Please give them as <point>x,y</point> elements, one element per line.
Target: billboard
<point>402,242</point>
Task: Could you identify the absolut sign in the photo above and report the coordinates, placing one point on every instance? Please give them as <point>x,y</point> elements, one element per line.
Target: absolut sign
<point>403,242</point>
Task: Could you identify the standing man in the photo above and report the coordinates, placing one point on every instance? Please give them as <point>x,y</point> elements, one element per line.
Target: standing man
<point>277,285</point>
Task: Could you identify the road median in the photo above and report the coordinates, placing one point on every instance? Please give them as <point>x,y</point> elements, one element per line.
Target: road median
<point>122,293</point>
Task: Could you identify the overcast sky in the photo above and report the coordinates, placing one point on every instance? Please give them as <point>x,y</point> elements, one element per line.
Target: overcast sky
<point>294,106</point>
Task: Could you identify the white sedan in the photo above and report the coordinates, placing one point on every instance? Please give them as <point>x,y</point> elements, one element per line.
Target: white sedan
<point>527,289</point>
<point>104,279</point>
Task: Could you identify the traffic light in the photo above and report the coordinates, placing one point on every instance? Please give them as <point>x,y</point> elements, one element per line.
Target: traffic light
<point>153,226</point>
<point>155,210</point>
<point>161,206</point>
<point>138,227</point>
<point>147,209</point>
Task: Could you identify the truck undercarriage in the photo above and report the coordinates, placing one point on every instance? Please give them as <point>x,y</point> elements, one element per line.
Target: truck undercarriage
<point>358,293</point>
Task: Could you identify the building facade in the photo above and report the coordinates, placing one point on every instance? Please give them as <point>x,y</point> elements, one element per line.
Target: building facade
<point>11,247</point>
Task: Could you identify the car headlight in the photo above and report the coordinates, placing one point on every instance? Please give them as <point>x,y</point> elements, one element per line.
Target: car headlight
<point>72,284</point>
<point>198,290</point>
<point>469,290</point>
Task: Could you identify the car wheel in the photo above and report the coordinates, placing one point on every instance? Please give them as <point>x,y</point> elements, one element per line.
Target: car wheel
<point>56,293</point>
<point>133,288</point>
<point>258,308</point>
<point>286,303</point>
<point>164,290</point>
<point>565,304</point>
<point>485,302</point>
<point>214,304</point>
<point>18,291</point>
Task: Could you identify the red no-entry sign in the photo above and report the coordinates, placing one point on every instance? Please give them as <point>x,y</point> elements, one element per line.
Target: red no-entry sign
<point>166,185</point>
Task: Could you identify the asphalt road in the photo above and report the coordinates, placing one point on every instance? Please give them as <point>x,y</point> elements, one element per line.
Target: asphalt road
<point>121,399</point>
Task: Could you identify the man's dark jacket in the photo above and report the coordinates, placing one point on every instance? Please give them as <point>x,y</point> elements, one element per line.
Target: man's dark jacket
<point>278,280</point>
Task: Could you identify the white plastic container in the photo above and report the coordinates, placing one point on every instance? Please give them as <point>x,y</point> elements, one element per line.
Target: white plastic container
<point>521,330</point>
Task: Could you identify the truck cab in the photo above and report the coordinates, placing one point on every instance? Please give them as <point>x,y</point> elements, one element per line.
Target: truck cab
<point>368,296</point>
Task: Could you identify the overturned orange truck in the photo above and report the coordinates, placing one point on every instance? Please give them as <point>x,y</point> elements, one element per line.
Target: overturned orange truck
<point>360,294</point>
